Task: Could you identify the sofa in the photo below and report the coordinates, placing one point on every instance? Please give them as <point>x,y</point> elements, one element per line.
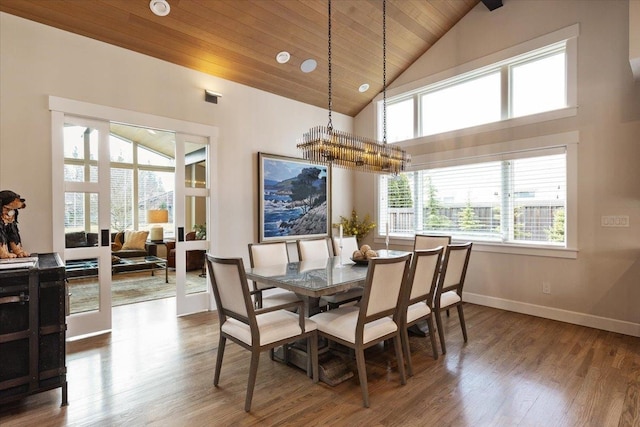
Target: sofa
<point>122,247</point>
<point>80,239</point>
<point>136,247</point>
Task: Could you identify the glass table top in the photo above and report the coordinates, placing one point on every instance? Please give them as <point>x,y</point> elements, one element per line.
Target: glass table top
<point>315,278</point>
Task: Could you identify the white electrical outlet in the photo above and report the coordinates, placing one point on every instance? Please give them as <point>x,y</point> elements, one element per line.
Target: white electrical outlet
<point>615,221</point>
<point>546,287</point>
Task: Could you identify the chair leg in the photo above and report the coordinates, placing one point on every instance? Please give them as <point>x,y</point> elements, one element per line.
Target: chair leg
<point>399,359</point>
<point>440,331</point>
<point>253,372</point>
<point>462,324</point>
<point>309,361</point>
<point>432,336</point>
<point>221,343</point>
<point>362,375</point>
<point>404,337</point>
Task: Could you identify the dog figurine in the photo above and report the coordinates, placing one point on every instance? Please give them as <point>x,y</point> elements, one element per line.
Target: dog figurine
<point>10,244</point>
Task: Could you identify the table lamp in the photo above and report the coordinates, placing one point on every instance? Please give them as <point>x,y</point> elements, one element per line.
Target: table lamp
<point>157,216</point>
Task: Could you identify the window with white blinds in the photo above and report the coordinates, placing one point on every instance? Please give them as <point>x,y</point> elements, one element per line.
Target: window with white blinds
<point>511,198</point>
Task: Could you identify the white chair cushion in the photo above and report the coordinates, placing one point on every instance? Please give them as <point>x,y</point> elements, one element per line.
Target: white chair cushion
<point>344,296</point>
<point>279,298</point>
<point>342,321</point>
<point>448,298</point>
<point>273,326</point>
<point>349,246</point>
<point>417,310</point>
<point>313,249</point>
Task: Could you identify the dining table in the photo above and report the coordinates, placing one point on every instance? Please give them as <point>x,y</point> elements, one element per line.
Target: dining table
<point>311,280</point>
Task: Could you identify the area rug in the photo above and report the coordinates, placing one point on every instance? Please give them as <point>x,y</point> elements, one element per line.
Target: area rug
<point>129,288</point>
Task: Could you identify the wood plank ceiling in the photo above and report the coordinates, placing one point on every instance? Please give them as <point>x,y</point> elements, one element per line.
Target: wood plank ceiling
<point>238,40</point>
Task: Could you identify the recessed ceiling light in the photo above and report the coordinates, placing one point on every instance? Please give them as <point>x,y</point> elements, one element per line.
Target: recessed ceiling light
<point>363,87</point>
<point>159,7</point>
<point>283,57</point>
<point>308,65</point>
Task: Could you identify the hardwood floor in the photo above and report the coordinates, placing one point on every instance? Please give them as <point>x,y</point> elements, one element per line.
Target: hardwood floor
<point>516,370</point>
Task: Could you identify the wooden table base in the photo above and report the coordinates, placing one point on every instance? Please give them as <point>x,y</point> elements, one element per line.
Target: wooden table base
<point>333,369</point>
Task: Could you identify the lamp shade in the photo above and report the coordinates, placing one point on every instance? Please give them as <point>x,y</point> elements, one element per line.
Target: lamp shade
<point>157,216</point>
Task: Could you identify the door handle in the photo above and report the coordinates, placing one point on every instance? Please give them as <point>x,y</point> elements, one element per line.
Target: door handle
<point>180,234</point>
<point>104,238</point>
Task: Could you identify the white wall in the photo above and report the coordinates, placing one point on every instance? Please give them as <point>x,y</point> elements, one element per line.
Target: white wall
<point>602,286</point>
<point>37,61</point>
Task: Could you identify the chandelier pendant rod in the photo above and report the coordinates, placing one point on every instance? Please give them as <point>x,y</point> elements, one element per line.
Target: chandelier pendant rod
<point>330,125</point>
<point>325,145</point>
<point>384,71</point>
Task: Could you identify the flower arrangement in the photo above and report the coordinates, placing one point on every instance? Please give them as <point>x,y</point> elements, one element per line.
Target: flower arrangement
<point>353,226</point>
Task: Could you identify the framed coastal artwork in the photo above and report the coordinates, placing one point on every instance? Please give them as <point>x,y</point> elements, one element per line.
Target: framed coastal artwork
<point>294,197</point>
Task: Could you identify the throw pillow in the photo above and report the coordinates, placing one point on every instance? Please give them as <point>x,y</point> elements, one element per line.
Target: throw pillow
<point>116,240</point>
<point>135,240</point>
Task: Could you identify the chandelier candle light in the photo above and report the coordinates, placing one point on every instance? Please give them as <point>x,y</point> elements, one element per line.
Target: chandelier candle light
<point>386,239</point>
<point>323,144</point>
<point>341,230</point>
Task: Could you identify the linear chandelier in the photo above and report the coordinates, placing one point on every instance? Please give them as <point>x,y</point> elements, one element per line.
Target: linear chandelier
<point>325,145</point>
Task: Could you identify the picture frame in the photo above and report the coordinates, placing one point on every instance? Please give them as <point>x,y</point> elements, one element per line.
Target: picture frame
<point>294,198</point>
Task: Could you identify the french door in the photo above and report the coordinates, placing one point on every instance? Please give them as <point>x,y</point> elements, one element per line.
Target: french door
<point>81,211</point>
<point>192,208</point>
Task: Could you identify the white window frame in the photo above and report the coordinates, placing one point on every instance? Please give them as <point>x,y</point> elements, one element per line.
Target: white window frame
<point>566,36</point>
<point>568,140</point>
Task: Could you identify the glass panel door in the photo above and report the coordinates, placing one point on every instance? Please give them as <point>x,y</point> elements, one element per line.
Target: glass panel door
<point>84,216</point>
<point>191,214</point>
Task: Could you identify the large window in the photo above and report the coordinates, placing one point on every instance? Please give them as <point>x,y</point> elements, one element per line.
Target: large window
<point>141,179</point>
<point>515,198</point>
<point>538,84</point>
<point>522,85</point>
<point>469,102</point>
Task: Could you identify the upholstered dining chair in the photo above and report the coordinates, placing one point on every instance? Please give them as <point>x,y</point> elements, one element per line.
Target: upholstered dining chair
<point>349,246</point>
<point>265,254</point>
<point>418,298</point>
<point>376,319</point>
<point>254,329</point>
<point>311,249</point>
<point>450,283</point>
<point>430,241</point>
<point>317,249</point>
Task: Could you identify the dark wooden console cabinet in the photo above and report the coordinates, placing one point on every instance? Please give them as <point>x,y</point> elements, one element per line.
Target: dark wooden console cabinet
<point>33,329</point>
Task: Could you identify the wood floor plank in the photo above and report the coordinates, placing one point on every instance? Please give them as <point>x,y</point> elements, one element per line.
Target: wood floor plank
<point>516,370</point>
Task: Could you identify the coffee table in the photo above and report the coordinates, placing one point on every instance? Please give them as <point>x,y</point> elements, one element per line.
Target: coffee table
<point>89,267</point>
<point>127,265</point>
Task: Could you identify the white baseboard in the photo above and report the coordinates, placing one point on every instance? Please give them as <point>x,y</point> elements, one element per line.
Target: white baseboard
<point>582,319</point>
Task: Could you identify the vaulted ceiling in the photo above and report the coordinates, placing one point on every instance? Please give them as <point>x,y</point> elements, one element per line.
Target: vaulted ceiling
<point>238,40</point>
